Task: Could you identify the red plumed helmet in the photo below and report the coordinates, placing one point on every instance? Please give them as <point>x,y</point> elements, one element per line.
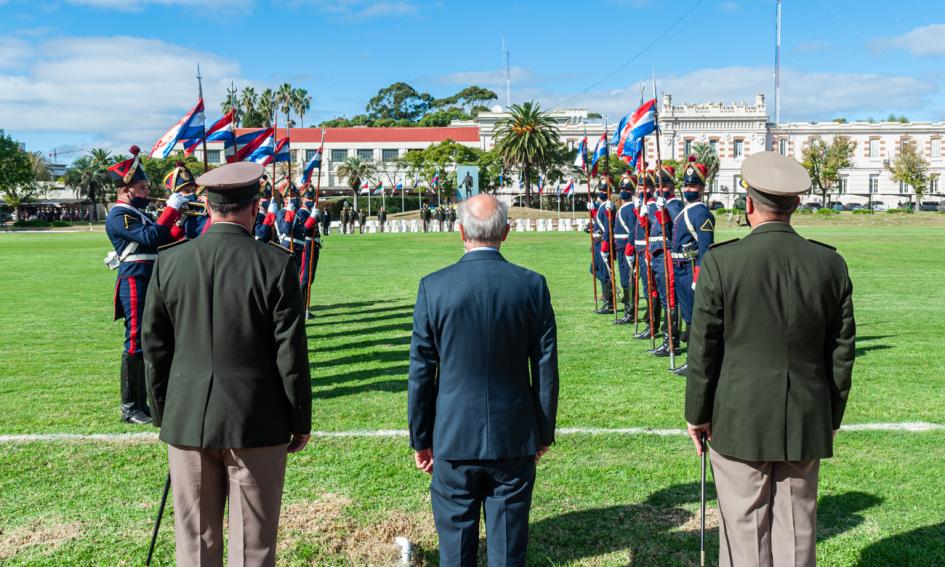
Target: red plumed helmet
<point>134,150</point>
<point>692,158</point>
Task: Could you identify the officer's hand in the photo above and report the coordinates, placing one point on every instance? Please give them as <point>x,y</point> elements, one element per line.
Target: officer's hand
<point>590,206</point>
<point>298,442</point>
<point>661,202</point>
<point>695,433</point>
<point>541,453</point>
<point>597,236</point>
<point>424,460</point>
<point>176,201</point>
<point>273,207</point>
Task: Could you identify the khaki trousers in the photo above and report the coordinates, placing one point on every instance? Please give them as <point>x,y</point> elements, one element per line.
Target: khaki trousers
<point>203,480</point>
<point>768,512</point>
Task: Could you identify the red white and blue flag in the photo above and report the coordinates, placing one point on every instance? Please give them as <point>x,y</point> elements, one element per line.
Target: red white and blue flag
<point>379,188</point>
<point>281,153</point>
<point>569,188</point>
<point>541,185</point>
<point>187,128</point>
<point>581,159</point>
<point>217,132</point>
<point>315,162</point>
<point>599,151</point>
<point>264,151</point>
<point>249,143</point>
<point>365,188</point>
<point>629,138</point>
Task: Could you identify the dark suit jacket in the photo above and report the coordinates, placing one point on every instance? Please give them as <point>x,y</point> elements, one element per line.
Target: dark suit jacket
<point>224,343</point>
<point>483,361</point>
<point>771,346</point>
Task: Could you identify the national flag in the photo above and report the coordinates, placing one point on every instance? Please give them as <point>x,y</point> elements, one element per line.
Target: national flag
<point>365,188</point>
<point>315,162</point>
<point>281,153</point>
<point>187,128</point>
<point>416,181</point>
<point>541,185</point>
<point>249,142</point>
<point>400,185</point>
<point>217,132</point>
<point>639,124</point>
<point>581,159</point>
<point>379,188</point>
<point>569,188</point>
<point>435,179</point>
<point>263,153</point>
<point>599,151</point>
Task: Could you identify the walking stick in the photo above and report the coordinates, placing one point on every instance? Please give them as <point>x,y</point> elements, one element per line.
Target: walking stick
<point>702,441</point>
<point>157,521</point>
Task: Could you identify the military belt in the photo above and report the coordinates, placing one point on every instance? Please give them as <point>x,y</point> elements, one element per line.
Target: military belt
<point>296,240</point>
<point>140,258</point>
<point>656,239</point>
<point>684,255</point>
<point>640,242</point>
<point>621,236</point>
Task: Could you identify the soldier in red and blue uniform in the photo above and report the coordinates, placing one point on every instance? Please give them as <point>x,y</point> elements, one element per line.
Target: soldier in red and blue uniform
<point>667,206</point>
<point>693,234</point>
<point>266,215</point>
<point>313,244</point>
<point>625,226</point>
<point>181,180</point>
<point>646,207</point>
<point>296,227</point>
<point>601,232</point>
<point>136,236</point>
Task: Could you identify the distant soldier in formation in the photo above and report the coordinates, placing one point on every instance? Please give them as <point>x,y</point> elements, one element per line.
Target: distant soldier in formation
<point>451,216</point>
<point>326,220</point>
<point>362,218</point>
<point>667,207</point>
<point>693,234</point>
<point>425,216</point>
<point>297,227</point>
<point>440,218</point>
<point>625,225</point>
<point>345,217</point>
<point>645,208</point>
<point>382,218</point>
<point>601,267</point>
<point>136,236</point>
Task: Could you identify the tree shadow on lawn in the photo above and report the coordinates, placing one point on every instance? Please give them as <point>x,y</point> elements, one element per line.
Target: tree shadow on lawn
<point>367,343</point>
<point>337,390</point>
<point>863,350</point>
<point>379,356</point>
<point>333,306</point>
<point>404,314</point>
<point>364,331</point>
<point>920,547</point>
<point>660,531</point>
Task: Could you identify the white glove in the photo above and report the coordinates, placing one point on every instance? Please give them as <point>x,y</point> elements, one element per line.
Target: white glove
<point>590,206</point>
<point>609,205</point>
<point>291,205</point>
<point>693,286</point>
<point>273,207</point>
<point>176,201</point>
<point>660,203</point>
<point>597,236</point>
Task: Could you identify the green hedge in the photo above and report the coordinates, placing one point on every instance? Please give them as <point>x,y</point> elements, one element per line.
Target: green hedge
<point>898,212</point>
<point>727,211</point>
<point>41,224</point>
<point>827,212</point>
<point>862,212</point>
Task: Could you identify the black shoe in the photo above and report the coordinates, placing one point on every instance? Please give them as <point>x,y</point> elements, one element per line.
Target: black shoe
<point>660,351</point>
<point>135,417</point>
<point>684,336</point>
<point>681,371</point>
<point>625,320</point>
<point>604,311</point>
<point>643,335</point>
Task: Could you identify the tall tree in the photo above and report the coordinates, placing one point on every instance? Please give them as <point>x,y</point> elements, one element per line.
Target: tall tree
<point>89,178</point>
<point>355,171</point>
<point>398,102</point>
<point>16,172</point>
<point>824,162</point>
<point>525,138</point>
<point>301,103</point>
<point>707,156</point>
<point>911,168</point>
<point>284,101</point>
<point>267,107</point>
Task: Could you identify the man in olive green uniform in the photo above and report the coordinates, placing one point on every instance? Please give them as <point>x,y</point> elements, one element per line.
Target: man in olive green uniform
<point>228,376</point>
<point>770,361</point>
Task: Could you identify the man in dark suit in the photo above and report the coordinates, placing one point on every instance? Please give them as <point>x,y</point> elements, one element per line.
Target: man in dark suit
<point>228,375</point>
<point>483,390</point>
<point>770,361</point>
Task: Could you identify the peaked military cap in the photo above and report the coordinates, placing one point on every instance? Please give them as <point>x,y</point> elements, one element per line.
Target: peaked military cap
<point>232,183</point>
<point>695,173</point>
<point>774,179</point>
<point>130,170</point>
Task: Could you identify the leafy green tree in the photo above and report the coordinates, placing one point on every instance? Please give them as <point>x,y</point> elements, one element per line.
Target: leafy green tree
<point>16,173</point>
<point>443,158</point>
<point>356,171</point>
<point>284,99</point>
<point>472,96</point>
<point>911,168</point>
<point>252,117</point>
<point>157,168</point>
<point>267,107</point>
<point>301,103</point>
<point>525,138</point>
<point>443,117</point>
<point>88,177</point>
<point>491,168</point>
<point>398,101</point>
<point>824,162</point>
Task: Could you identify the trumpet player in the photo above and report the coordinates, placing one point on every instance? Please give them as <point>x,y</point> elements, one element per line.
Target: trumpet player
<point>136,236</point>
<point>181,180</point>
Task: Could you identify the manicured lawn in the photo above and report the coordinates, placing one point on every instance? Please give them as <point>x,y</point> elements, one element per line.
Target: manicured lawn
<point>606,499</point>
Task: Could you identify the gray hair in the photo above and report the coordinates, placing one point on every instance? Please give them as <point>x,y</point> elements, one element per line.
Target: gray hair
<point>483,225</point>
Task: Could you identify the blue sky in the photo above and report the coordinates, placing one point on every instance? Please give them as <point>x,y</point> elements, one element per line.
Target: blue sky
<point>79,73</point>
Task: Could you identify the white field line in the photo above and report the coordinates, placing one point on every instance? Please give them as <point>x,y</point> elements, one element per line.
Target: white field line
<point>908,427</point>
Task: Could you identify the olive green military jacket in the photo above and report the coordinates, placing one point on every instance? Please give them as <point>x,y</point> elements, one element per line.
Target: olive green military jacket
<point>771,346</point>
<point>224,343</point>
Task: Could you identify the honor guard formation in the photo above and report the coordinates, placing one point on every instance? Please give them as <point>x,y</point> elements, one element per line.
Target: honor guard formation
<point>657,243</point>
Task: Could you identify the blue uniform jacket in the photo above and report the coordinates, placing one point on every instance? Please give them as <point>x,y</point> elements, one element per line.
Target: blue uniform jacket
<point>125,225</point>
<point>694,231</point>
<point>625,227</point>
<point>672,208</point>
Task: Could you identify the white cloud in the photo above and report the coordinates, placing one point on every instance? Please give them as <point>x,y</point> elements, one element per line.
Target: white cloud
<point>728,6</point>
<point>354,10</point>
<point>125,89</point>
<point>138,5</point>
<point>493,78</point>
<point>924,40</point>
<point>13,53</point>
<point>805,95</point>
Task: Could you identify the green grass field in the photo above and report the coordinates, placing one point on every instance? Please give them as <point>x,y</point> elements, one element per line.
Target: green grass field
<point>601,499</point>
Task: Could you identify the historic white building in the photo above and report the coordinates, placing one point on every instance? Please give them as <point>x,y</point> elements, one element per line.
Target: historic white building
<point>734,130</point>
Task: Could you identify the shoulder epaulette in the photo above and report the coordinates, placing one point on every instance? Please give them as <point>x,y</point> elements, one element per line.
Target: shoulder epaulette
<point>723,243</point>
<point>172,244</point>
<point>280,247</point>
<point>821,243</point>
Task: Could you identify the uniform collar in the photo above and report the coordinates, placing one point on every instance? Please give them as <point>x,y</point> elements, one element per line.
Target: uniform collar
<point>482,253</point>
<point>220,227</point>
<point>772,226</point>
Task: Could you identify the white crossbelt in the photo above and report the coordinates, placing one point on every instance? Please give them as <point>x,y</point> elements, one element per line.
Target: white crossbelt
<point>684,255</point>
<point>139,257</point>
<point>656,239</point>
<point>640,242</point>
<point>296,240</point>
<point>621,236</point>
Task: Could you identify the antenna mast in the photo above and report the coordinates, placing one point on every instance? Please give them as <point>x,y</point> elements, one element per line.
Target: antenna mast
<point>508,76</point>
<point>777,65</point>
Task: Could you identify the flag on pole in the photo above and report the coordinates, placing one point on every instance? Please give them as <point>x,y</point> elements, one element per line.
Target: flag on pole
<point>400,185</point>
<point>599,152</point>
<point>263,153</point>
<point>281,153</point>
<point>639,124</point>
<point>217,132</point>
<point>379,188</point>
<point>365,188</point>
<point>569,188</point>
<point>250,142</point>
<point>581,159</point>
<point>314,163</point>
<point>187,128</point>
<point>416,182</point>
<point>541,185</point>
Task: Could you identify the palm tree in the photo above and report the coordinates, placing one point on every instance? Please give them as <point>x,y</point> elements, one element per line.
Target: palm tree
<point>248,100</point>
<point>284,99</point>
<point>88,177</point>
<point>355,171</point>
<point>267,106</point>
<point>707,157</point>
<point>525,138</point>
<point>301,103</point>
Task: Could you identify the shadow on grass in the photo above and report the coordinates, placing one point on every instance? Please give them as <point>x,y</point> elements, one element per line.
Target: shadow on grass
<point>345,320</point>
<point>839,513</point>
<point>655,532</point>
<point>365,331</point>
<point>921,547</point>
<point>367,343</point>
<point>336,381</point>
<point>862,350</point>
<point>359,307</point>
<point>391,386</point>
<point>380,356</point>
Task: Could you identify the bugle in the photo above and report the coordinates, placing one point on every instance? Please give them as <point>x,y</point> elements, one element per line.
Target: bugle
<point>189,208</point>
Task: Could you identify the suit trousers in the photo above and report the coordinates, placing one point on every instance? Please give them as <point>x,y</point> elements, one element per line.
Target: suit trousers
<point>203,480</point>
<point>503,488</point>
<point>768,511</point>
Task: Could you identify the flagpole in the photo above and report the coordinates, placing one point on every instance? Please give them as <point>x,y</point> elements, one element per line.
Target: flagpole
<point>321,159</point>
<point>311,250</point>
<point>667,262</point>
<point>610,227</point>
<point>590,213</point>
<point>206,167</point>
